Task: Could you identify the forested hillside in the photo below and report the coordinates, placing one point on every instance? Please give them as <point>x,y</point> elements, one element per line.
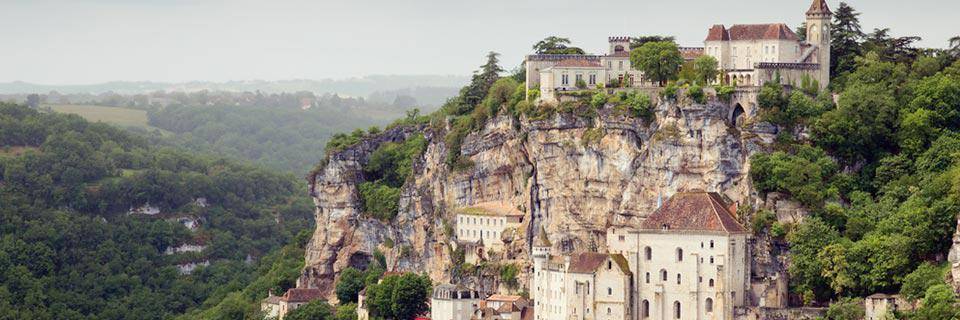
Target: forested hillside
<point>71,249</point>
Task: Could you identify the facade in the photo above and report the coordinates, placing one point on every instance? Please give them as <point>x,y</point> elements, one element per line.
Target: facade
<point>553,73</point>
<point>581,286</point>
<point>503,307</point>
<point>270,306</point>
<point>480,228</point>
<point>276,307</point>
<point>453,302</point>
<point>689,259</point>
<point>752,54</point>
<point>881,306</point>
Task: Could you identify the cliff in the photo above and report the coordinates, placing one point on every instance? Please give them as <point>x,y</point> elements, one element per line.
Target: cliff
<point>573,176</point>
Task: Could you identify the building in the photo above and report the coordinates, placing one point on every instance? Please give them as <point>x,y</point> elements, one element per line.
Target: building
<point>503,307</point>
<point>453,302</point>
<point>275,307</point>
<point>689,259</point>
<point>362,312</point>
<point>480,228</point>
<point>880,306</point>
<point>553,73</point>
<point>581,286</point>
<point>752,54</point>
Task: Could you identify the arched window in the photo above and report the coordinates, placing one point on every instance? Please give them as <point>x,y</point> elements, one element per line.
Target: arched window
<point>609,265</point>
<point>679,254</point>
<point>609,291</point>
<point>676,309</point>
<point>711,244</point>
<point>609,311</point>
<point>709,305</point>
<point>645,309</point>
<point>648,253</point>
<point>663,275</point>
<point>618,49</point>
<point>710,283</point>
<point>648,277</point>
<point>711,259</point>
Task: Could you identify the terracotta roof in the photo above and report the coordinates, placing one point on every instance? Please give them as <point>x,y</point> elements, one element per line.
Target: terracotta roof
<point>578,63</point>
<point>504,298</point>
<point>588,262</point>
<point>302,295</point>
<point>491,209</point>
<point>271,299</point>
<point>769,31</point>
<point>508,308</point>
<point>819,7</point>
<point>694,211</point>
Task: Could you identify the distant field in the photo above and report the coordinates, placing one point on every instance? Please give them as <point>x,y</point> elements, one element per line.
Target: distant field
<point>119,116</point>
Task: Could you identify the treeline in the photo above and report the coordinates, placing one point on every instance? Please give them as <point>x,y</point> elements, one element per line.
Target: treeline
<point>877,170</point>
<point>69,250</point>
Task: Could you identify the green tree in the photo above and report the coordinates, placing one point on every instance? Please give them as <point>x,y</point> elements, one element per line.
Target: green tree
<point>314,310</point>
<point>659,61</point>
<point>845,38</point>
<point>399,297</point>
<point>555,45</point>
<point>916,283</point>
<point>639,41</point>
<point>939,303</point>
<point>482,80</point>
<point>706,68</point>
<point>349,285</point>
<point>846,309</point>
<point>806,241</point>
<point>861,126</point>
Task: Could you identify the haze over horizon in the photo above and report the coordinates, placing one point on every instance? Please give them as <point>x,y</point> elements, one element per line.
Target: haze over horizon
<point>60,42</point>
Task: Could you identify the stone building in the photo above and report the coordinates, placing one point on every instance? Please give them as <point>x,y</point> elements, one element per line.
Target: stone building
<point>880,306</point>
<point>581,286</point>
<point>551,73</point>
<point>752,54</point>
<point>504,307</point>
<point>689,259</point>
<point>480,228</point>
<point>453,302</point>
<point>276,307</point>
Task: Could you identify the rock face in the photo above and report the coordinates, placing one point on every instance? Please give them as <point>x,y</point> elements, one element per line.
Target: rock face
<point>573,176</point>
<point>954,259</point>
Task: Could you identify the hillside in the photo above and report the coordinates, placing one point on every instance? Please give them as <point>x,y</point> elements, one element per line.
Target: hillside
<point>102,223</point>
<point>845,196</point>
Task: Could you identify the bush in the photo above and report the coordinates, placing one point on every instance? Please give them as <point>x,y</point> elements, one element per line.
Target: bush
<point>696,93</point>
<point>599,99</point>
<point>639,104</point>
<point>581,84</point>
<point>380,201</point>
<point>670,91</point>
<point>724,93</point>
<point>592,136</point>
<point>916,283</point>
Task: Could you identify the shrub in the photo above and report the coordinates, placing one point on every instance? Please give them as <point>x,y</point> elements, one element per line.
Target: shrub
<point>725,93</point>
<point>380,201</point>
<point>670,91</point>
<point>581,84</point>
<point>592,136</point>
<point>599,99</point>
<point>640,105</point>
<point>696,93</point>
<point>916,283</point>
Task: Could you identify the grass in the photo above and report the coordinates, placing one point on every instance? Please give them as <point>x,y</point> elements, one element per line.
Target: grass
<point>117,116</point>
<point>14,151</point>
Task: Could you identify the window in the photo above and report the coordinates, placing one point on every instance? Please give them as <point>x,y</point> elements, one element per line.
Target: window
<point>711,244</point>
<point>609,64</point>
<point>663,275</point>
<point>678,278</point>
<point>676,309</point>
<point>609,311</point>
<point>620,65</point>
<point>679,254</point>
<point>593,79</point>
<point>645,309</point>
<point>609,291</point>
<point>621,238</point>
<point>579,77</point>
<point>711,259</point>
<point>609,265</point>
<point>648,253</point>
<point>648,277</point>
<point>709,305</point>
<point>710,283</point>
<point>564,79</point>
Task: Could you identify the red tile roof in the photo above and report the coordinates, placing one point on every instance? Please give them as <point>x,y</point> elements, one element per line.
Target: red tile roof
<point>302,295</point>
<point>769,31</point>
<point>578,63</point>
<point>819,7</point>
<point>694,211</point>
<point>588,262</point>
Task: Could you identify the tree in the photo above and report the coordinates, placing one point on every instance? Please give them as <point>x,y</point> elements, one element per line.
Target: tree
<point>555,45</point>
<point>861,126</point>
<point>939,303</point>
<point>916,283</point>
<point>706,68</point>
<point>399,297</point>
<point>659,61</point>
<point>954,49</point>
<point>639,41</point>
<point>801,31</point>
<point>314,310</point>
<point>844,40</point>
<point>349,285</point>
<point>889,48</point>
<point>846,309</point>
<point>482,80</point>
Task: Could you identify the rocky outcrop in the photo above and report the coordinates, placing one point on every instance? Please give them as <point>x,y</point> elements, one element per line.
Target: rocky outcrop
<point>954,259</point>
<point>573,176</point>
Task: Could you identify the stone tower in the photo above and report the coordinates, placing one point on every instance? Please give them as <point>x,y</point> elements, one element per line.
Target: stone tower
<point>619,44</point>
<point>818,34</point>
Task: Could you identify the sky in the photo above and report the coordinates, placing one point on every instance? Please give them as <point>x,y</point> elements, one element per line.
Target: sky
<point>92,41</point>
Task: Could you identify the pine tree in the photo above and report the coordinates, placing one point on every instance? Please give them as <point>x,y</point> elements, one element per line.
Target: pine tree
<point>483,79</point>
<point>845,40</point>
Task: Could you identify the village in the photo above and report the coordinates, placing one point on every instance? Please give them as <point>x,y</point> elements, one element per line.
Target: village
<point>688,259</point>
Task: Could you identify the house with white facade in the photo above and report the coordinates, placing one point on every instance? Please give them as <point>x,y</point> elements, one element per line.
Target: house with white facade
<point>453,302</point>
<point>480,228</point>
<point>277,307</point>
<point>752,54</point>
<point>553,73</point>
<point>582,286</point>
<point>689,259</point>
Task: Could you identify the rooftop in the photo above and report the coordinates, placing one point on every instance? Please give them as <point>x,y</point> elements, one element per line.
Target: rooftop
<point>491,209</point>
<point>694,211</point>
<point>767,31</point>
<point>819,7</point>
<point>302,295</point>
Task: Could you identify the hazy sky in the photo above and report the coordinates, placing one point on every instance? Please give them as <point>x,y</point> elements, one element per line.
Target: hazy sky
<point>88,41</point>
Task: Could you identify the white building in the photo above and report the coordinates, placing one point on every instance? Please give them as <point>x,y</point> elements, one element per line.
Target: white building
<point>453,302</point>
<point>551,73</point>
<point>581,286</point>
<point>480,228</point>
<point>881,306</point>
<point>277,307</point>
<point>689,259</point>
<point>752,54</point>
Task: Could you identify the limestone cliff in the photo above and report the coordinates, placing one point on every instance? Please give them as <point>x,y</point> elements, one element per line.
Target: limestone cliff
<point>573,176</point>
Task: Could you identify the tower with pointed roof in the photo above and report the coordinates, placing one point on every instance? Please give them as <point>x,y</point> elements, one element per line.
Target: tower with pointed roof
<point>818,34</point>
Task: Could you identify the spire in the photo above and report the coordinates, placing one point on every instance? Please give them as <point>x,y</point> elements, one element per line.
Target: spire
<point>819,7</point>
